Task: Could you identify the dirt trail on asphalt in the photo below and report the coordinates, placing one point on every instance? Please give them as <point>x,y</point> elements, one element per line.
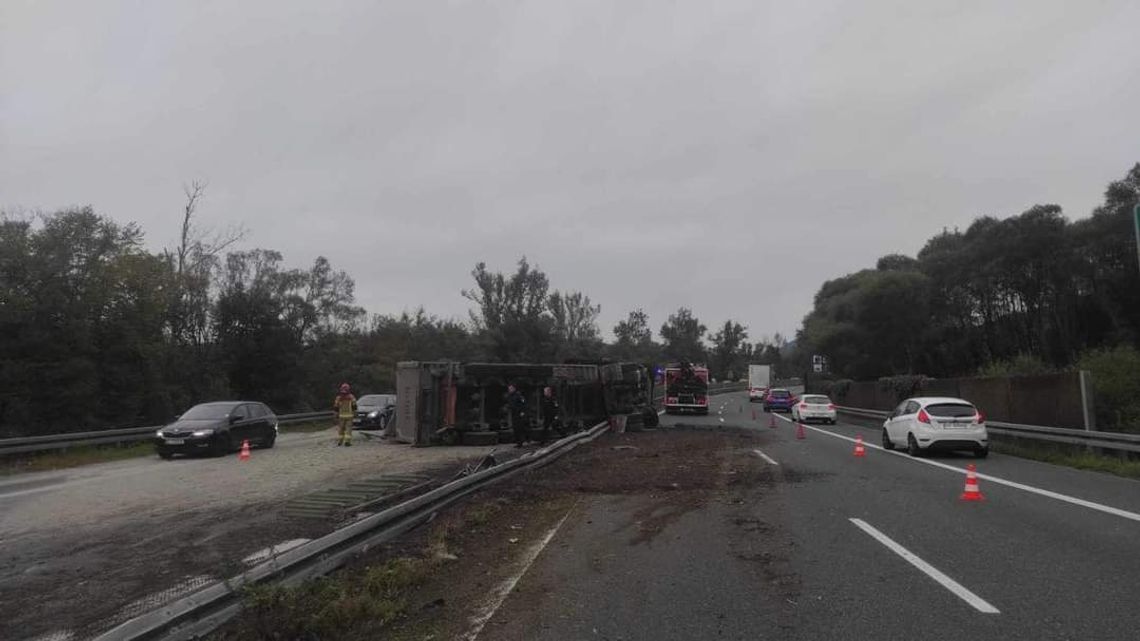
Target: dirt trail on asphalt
<point>656,478</point>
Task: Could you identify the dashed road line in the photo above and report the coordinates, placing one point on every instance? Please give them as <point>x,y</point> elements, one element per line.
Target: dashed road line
<point>957,589</point>
<point>764,456</point>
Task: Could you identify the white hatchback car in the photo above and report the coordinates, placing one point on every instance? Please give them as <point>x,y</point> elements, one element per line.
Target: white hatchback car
<point>814,407</point>
<point>926,424</point>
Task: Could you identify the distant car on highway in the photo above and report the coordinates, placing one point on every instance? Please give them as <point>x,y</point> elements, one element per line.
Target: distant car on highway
<point>778,399</point>
<point>925,424</point>
<point>374,410</point>
<point>756,394</point>
<point>217,428</point>
<point>814,407</point>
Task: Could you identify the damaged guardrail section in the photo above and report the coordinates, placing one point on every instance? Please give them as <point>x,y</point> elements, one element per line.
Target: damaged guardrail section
<point>205,610</point>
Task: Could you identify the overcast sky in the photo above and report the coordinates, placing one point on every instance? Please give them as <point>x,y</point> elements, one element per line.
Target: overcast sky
<point>726,156</point>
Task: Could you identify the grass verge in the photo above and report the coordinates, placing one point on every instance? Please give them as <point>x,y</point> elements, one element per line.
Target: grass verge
<point>1127,468</point>
<point>73,457</point>
<point>357,604</point>
<point>365,602</point>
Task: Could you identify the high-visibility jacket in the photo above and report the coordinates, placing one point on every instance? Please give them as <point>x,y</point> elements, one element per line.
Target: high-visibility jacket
<point>345,405</point>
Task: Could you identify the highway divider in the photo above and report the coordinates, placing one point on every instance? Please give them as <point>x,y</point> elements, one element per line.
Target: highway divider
<point>197,614</point>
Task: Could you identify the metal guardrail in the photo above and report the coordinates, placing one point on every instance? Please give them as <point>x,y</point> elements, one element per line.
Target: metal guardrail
<point>197,614</point>
<point>1121,441</point>
<point>47,442</point>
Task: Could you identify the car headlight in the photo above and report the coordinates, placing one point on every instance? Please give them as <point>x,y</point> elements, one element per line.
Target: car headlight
<point>202,432</point>
<point>373,414</point>
<point>159,434</point>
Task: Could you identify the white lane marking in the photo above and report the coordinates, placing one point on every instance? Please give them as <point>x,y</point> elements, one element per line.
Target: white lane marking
<point>503,591</point>
<point>959,590</point>
<point>765,457</point>
<point>1107,509</point>
<point>721,420</point>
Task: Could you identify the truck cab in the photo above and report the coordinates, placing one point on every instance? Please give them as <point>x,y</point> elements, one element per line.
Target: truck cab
<point>686,389</point>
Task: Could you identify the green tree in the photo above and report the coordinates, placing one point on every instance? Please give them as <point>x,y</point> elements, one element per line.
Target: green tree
<point>730,351</point>
<point>575,326</point>
<point>511,313</point>
<point>683,335</point>
<point>634,340</point>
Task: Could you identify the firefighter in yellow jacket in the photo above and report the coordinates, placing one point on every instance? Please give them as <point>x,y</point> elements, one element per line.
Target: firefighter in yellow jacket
<point>345,407</point>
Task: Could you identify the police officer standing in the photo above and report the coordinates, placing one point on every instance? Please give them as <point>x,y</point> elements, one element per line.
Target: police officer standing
<point>516,404</point>
<point>550,417</point>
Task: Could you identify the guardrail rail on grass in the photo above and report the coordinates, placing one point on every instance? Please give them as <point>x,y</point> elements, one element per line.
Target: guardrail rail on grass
<point>1119,441</point>
<point>46,442</point>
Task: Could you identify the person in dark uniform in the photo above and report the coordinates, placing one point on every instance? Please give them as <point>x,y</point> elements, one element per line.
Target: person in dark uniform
<point>550,414</point>
<point>516,404</point>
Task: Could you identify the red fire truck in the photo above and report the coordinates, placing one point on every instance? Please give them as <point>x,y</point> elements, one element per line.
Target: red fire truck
<point>686,388</point>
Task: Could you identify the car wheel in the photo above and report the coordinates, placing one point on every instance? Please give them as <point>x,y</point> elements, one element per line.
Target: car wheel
<point>887,443</point>
<point>271,441</point>
<point>912,446</point>
<point>982,452</point>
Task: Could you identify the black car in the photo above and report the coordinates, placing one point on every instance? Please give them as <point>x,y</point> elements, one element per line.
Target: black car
<point>374,410</point>
<point>217,428</point>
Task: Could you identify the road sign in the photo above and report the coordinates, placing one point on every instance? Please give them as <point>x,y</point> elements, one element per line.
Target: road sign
<point>1136,220</point>
<point>818,367</point>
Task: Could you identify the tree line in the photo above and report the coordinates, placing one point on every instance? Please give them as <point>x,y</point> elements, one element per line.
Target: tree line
<point>1029,293</point>
<point>99,332</point>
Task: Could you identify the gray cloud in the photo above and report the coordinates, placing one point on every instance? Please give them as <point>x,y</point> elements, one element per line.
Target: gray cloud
<point>728,156</point>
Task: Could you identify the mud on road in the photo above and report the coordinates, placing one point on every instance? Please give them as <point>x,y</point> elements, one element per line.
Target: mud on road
<point>475,547</point>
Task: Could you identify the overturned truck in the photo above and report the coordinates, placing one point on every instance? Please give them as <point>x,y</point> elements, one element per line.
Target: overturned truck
<point>449,403</point>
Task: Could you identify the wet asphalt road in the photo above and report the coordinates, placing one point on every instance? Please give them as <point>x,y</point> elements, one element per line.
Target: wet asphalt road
<point>825,545</point>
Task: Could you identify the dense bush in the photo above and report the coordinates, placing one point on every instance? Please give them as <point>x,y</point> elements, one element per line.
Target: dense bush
<point>1116,380</point>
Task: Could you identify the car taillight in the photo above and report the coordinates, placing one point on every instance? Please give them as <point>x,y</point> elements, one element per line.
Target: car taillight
<point>923,417</point>
<point>672,400</point>
<point>803,406</point>
<point>831,407</point>
<point>980,418</point>
<point>702,401</point>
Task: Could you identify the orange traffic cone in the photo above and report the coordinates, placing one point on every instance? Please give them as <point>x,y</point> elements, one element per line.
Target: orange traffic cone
<point>972,493</point>
<point>772,421</point>
<point>859,451</point>
<point>244,455</point>
<point>800,431</point>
